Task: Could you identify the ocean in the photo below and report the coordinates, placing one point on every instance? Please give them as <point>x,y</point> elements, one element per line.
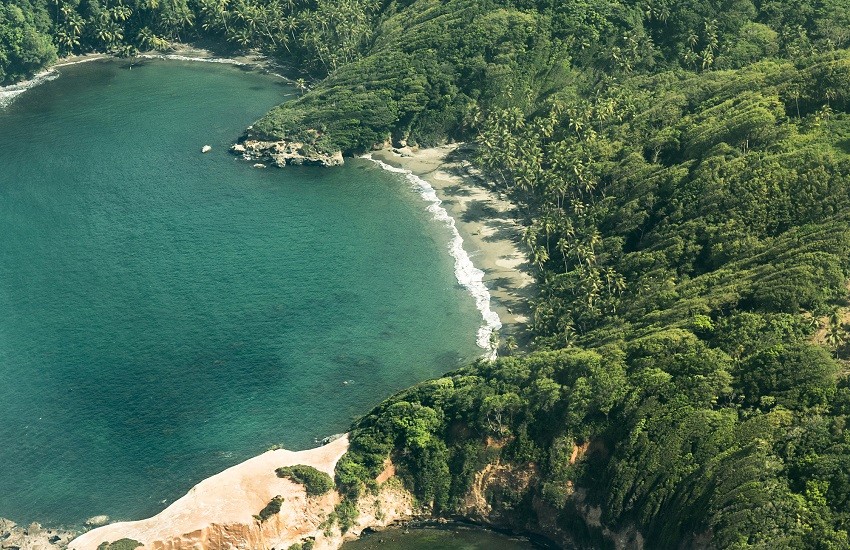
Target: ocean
<point>165,314</point>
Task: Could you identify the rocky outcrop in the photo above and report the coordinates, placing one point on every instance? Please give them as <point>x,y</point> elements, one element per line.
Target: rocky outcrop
<point>32,537</point>
<point>223,511</point>
<point>283,153</point>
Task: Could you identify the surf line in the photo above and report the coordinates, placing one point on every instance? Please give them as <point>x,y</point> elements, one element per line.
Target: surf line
<point>9,93</point>
<point>179,57</point>
<point>469,276</point>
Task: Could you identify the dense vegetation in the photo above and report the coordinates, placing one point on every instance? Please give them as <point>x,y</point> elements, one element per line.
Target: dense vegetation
<point>315,482</point>
<point>686,183</point>
<point>315,36</point>
<point>683,167</point>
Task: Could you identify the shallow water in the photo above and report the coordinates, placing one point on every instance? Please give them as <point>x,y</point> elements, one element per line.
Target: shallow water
<point>165,314</point>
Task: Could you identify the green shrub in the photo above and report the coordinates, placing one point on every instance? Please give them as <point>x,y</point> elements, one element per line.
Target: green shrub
<point>306,545</point>
<point>346,514</point>
<point>122,544</point>
<point>315,482</point>
<point>271,509</point>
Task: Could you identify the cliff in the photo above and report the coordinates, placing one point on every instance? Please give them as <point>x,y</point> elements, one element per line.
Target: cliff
<point>222,512</point>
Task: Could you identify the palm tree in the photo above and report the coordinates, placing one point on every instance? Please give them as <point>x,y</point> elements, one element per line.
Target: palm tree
<point>540,256</point>
<point>836,333</point>
<point>66,41</point>
<point>564,248</point>
<point>510,345</point>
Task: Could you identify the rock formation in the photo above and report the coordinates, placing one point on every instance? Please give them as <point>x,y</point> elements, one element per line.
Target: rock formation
<point>283,153</point>
<point>32,537</point>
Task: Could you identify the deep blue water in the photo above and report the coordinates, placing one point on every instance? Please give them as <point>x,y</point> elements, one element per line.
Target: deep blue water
<point>165,314</point>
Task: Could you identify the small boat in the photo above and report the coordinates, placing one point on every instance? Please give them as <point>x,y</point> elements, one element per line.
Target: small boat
<point>206,148</point>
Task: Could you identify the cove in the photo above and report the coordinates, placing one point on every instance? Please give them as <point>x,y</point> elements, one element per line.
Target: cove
<point>165,314</point>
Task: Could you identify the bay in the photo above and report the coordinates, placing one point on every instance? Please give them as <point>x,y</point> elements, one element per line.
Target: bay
<point>165,314</point>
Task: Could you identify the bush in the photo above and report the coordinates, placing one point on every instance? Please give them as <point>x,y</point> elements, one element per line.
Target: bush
<point>306,545</point>
<point>271,509</point>
<point>315,482</point>
<point>346,514</point>
<point>122,544</point>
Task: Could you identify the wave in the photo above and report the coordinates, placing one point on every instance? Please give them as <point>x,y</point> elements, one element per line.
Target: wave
<point>179,57</point>
<point>469,276</point>
<point>9,93</point>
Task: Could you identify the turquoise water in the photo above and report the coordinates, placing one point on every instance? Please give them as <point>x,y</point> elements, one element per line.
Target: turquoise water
<point>166,314</point>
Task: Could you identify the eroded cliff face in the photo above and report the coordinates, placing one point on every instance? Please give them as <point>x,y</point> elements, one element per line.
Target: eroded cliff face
<point>506,496</point>
<point>222,512</point>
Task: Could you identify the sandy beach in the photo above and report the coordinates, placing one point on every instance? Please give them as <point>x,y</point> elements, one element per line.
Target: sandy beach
<point>487,223</point>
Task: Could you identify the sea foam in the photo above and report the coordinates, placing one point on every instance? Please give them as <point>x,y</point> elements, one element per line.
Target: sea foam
<point>179,57</point>
<point>9,93</point>
<point>469,276</point>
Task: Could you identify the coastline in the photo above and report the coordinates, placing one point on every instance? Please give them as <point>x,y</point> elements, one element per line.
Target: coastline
<point>486,223</point>
<point>177,52</point>
<point>222,510</point>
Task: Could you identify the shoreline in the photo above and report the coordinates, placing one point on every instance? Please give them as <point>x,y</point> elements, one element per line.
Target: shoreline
<point>221,509</point>
<point>177,52</point>
<point>487,224</point>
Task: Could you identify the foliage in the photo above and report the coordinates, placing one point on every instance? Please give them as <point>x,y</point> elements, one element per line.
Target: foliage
<point>688,221</point>
<point>315,482</point>
<point>24,45</point>
<point>270,510</point>
<point>121,544</point>
<point>306,545</point>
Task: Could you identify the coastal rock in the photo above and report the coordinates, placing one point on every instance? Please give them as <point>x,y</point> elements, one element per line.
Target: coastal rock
<point>97,521</point>
<point>33,537</point>
<point>283,153</point>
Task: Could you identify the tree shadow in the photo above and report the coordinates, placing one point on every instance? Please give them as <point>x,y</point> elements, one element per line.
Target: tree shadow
<point>504,232</point>
<point>457,190</point>
<point>480,211</point>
